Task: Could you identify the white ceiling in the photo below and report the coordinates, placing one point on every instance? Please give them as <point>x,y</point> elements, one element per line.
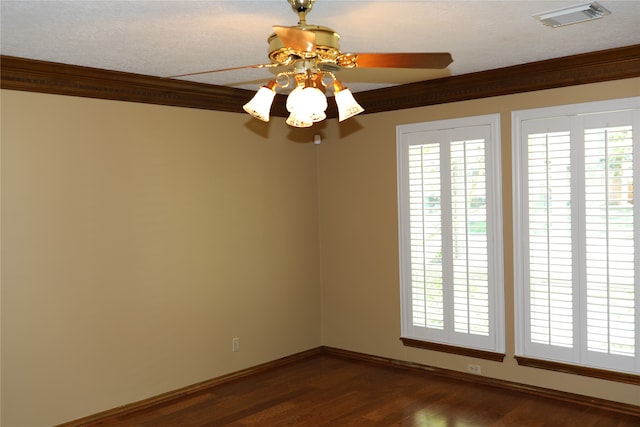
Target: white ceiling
<point>163,38</point>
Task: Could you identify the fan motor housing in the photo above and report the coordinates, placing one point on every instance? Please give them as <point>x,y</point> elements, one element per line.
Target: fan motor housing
<point>327,46</point>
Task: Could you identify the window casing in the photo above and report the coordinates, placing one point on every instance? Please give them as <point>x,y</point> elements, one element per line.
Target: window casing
<point>576,234</point>
<point>450,228</point>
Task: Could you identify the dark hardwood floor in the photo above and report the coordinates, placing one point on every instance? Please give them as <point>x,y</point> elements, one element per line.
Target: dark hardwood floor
<point>325,390</point>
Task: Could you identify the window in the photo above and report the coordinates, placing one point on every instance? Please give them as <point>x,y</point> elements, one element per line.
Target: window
<point>576,231</point>
<point>450,229</point>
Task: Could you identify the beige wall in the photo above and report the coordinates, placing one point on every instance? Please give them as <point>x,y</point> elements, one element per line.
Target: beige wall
<point>137,240</point>
<point>359,239</point>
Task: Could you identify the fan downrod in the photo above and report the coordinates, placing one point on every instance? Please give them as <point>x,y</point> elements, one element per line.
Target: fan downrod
<point>301,7</point>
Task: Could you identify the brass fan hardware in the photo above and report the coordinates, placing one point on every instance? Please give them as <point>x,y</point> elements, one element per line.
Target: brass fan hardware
<point>302,7</point>
<point>312,53</point>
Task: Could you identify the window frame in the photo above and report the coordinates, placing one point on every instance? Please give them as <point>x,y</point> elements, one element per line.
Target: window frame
<point>575,359</point>
<point>493,347</point>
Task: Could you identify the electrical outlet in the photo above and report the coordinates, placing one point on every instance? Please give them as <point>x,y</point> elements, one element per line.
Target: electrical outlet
<point>235,344</point>
<point>474,369</point>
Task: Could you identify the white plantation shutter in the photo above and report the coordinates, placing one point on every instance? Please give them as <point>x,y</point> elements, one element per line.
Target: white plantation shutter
<point>576,234</point>
<point>425,218</point>
<point>450,235</point>
<point>549,233</point>
<point>611,229</point>
<point>469,237</point>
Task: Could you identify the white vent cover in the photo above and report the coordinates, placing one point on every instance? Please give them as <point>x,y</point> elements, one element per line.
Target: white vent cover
<point>572,14</point>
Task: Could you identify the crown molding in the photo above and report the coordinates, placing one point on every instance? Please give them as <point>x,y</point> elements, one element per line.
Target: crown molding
<point>63,79</point>
<point>593,67</point>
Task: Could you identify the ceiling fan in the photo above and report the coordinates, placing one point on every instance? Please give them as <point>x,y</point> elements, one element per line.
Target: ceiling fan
<point>310,55</point>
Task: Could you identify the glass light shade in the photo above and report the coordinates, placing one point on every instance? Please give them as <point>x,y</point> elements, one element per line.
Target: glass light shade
<point>317,116</point>
<point>347,105</point>
<point>306,104</point>
<point>294,100</point>
<point>314,103</point>
<point>299,121</point>
<point>260,105</point>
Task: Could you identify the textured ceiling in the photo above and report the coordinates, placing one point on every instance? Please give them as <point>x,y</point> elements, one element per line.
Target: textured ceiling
<point>163,38</point>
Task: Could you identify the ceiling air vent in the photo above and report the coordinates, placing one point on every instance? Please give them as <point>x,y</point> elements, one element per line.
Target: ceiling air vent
<point>572,14</point>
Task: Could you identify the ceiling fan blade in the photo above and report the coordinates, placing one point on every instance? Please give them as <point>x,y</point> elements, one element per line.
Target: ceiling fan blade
<point>296,39</point>
<point>404,60</point>
<point>223,69</point>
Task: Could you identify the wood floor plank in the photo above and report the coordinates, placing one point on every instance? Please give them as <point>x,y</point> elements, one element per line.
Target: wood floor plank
<point>325,390</point>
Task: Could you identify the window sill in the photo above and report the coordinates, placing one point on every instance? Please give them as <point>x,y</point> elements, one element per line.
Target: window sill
<point>463,351</point>
<point>620,377</point>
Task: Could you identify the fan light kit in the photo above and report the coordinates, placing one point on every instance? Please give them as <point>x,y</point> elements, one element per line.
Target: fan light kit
<point>572,14</point>
<point>311,55</point>
<point>307,102</point>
